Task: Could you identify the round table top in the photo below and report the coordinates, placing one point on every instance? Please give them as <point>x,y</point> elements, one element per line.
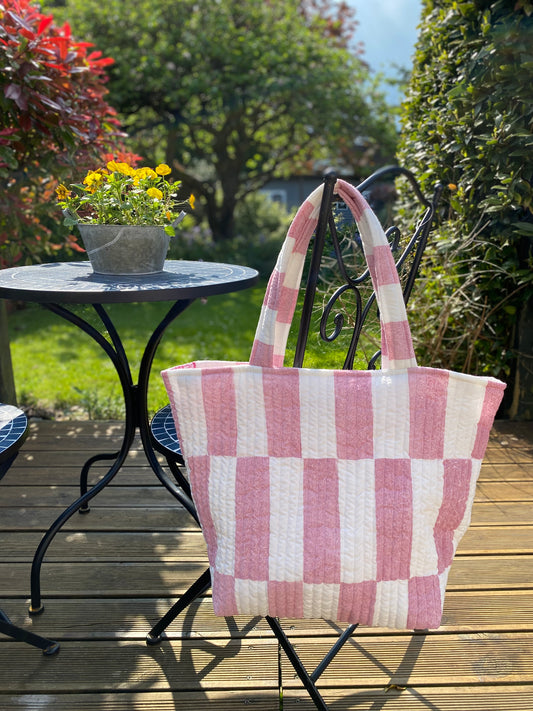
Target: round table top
<point>77,283</point>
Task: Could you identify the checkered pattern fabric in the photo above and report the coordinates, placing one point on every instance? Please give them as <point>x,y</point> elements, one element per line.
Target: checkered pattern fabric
<point>333,494</point>
<point>282,291</point>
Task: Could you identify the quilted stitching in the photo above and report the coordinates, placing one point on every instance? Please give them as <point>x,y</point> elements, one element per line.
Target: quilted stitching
<point>334,494</point>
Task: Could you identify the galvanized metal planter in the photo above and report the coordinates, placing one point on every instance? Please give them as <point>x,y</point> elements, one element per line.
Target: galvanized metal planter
<point>125,249</point>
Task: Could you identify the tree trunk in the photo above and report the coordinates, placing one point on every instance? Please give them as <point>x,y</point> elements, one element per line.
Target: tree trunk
<point>7,381</point>
<point>222,219</point>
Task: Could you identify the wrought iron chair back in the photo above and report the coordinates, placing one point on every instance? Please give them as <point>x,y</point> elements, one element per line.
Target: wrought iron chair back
<point>409,254</point>
<point>408,262</point>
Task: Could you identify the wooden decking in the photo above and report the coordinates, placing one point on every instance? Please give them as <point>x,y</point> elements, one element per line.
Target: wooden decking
<point>112,573</point>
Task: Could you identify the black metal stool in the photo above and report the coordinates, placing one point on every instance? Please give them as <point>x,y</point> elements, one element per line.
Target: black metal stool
<point>13,431</point>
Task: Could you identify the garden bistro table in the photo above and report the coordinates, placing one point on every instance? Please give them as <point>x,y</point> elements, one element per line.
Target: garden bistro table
<point>54,285</point>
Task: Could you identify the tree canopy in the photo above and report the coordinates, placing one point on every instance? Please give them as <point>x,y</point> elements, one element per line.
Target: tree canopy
<point>235,92</point>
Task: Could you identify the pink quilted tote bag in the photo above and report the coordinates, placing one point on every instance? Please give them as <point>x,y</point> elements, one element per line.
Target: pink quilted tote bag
<point>332,494</point>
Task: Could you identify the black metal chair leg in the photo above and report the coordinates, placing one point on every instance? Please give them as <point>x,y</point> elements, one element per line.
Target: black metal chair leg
<point>84,475</point>
<point>343,638</point>
<point>309,680</point>
<point>179,477</point>
<point>297,664</point>
<point>47,646</point>
<point>198,588</point>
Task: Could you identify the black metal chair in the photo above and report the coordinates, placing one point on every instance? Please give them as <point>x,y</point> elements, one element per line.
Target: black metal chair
<point>13,432</point>
<point>327,254</point>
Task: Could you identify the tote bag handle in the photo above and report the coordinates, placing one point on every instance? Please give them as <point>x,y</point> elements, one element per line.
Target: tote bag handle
<point>282,291</point>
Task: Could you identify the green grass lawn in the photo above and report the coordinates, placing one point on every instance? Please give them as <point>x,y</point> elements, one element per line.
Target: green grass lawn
<point>60,371</point>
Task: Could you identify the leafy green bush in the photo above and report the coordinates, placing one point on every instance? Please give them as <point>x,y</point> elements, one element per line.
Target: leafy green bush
<point>451,310</point>
<point>467,123</point>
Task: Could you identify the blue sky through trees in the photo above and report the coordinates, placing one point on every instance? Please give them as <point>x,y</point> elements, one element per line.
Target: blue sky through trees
<point>388,29</point>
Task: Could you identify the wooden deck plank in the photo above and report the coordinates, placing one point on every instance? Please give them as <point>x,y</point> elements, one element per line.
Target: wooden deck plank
<point>118,579</point>
<point>167,547</point>
<point>204,700</point>
<point>505,435</point>
<point>488,513</point>
<point>503,455</point>
<point>109,518</point>
<point>74,458</point>
<point>113,495</point>
<point>175,518</point>
<point>156,495</point>
<point>466,658</point>
<point>463,698</point>
<point>195,664</point>
<point>178,665</point>
<point>507,471</point>
<point>473,698</point>
<point>109,546</point>
<point>504,491</point>
<point>138,473</point>
<point>132,618</point>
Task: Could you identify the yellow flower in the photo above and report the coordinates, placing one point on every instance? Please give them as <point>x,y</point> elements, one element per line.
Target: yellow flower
<point>62,192</point>
<point>155,193</point>
<point>93,179</point>
<point>452,186</point>
<point>122,194</point>
<point>192,200</point>
<point>122,168</point>
<point>145,173</point>
<point>125,169</point>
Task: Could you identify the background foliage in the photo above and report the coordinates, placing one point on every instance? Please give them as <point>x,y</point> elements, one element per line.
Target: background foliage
<point>467,122</point>
<point>232,93</point>
<point>260,228</point>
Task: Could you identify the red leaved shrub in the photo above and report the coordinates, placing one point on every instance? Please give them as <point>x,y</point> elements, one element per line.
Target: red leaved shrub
<point>56,123</point>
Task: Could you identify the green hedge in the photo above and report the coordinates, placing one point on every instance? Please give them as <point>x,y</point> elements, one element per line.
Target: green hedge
<point>467,122</point>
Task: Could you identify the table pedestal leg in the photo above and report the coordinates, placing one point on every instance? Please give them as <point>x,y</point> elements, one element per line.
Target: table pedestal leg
<point>136,416</point>
<point>144,426</point>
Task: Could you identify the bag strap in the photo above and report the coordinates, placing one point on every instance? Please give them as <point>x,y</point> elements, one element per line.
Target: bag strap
<point>282,291</point>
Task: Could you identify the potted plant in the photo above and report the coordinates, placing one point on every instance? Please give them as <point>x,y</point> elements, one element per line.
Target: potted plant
<point>125,216</point>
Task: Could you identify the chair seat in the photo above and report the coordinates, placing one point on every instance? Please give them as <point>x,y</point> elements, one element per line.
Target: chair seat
<point>164,432</point>
<point>13,430</point>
